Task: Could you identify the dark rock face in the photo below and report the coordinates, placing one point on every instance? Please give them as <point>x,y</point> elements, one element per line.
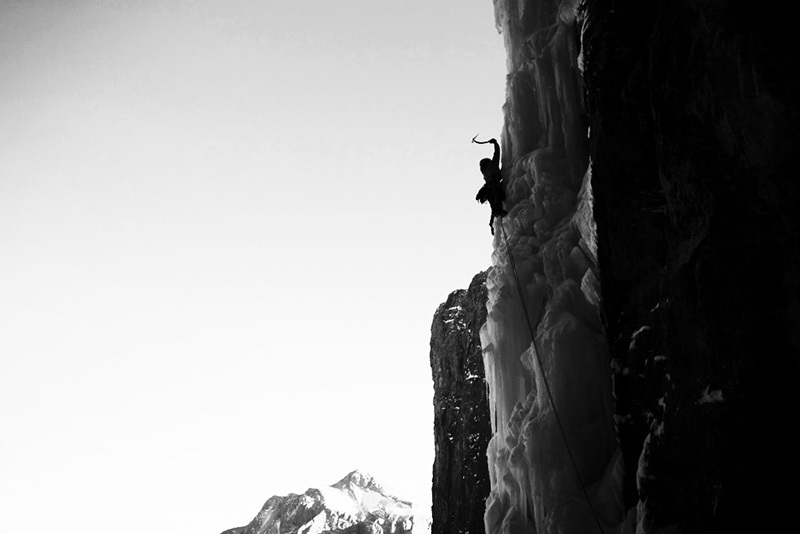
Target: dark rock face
<point>461,408</point>
<point>694,109</point>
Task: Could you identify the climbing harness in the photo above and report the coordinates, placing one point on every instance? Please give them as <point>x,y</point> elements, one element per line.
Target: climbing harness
<point>544,376</point>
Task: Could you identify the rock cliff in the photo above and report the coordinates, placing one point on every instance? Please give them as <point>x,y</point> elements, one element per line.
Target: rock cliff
<point>643,330</point>
<point>461,412</point>
<point>695,130</point>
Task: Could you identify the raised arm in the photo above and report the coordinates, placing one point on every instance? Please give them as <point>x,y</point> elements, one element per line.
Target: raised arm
<point>496,157</point>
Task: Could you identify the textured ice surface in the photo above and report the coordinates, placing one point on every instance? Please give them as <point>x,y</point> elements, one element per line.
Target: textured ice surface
<point>551,233</point>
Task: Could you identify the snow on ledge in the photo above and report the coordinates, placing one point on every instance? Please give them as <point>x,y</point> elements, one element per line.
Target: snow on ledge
<point>711,397</point>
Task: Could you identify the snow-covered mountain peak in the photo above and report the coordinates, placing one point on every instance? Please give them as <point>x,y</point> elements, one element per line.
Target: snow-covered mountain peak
<point>359,479</point>
<point>359,493</point>
<point>355,504</point>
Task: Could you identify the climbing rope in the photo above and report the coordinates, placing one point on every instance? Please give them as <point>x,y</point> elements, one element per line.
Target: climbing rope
<point>544,376</point>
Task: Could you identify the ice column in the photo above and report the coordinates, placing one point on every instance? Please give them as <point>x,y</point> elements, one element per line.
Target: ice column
<point>550,232</point>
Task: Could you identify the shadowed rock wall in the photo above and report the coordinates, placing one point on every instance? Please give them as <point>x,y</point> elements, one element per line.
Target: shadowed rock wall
<point>461,408</point>
<point>695,144</point>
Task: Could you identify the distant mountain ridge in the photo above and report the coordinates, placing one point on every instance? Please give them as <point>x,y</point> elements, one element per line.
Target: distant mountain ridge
<point>356,504</point>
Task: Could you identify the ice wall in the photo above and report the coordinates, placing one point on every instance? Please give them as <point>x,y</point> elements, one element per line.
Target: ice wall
<point>550,232</point>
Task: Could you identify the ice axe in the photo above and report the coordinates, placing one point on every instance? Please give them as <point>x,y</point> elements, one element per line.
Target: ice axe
<point>474,140</point>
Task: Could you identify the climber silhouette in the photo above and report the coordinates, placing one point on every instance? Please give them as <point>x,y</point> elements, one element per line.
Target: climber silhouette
<point>493,190</point>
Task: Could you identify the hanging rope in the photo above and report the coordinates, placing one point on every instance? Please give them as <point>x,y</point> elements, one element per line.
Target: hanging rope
<point>544,376</point>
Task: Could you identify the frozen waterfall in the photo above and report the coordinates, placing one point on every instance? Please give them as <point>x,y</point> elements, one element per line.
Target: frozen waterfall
<point>551,235</point>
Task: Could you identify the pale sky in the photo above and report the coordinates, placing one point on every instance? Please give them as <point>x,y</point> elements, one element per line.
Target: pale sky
<point>225,228</point>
